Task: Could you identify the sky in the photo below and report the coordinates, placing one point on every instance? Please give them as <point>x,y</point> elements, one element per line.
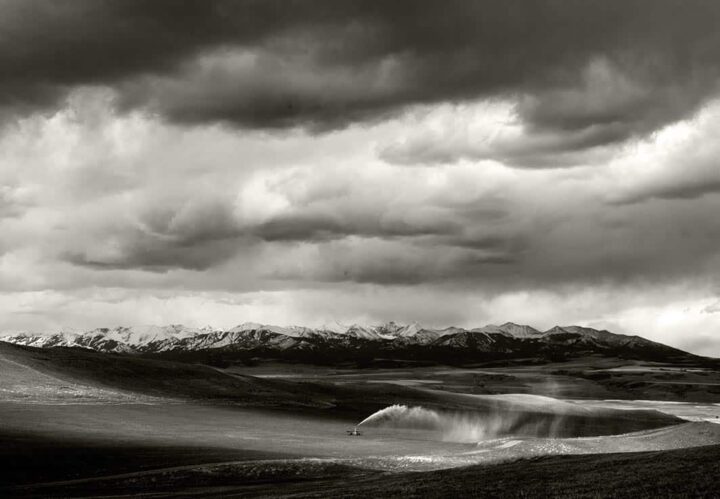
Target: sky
<point>213,162</point>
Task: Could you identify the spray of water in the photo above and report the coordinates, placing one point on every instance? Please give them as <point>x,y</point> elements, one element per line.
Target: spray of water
<point>465,426</point>
<point>403,416</point>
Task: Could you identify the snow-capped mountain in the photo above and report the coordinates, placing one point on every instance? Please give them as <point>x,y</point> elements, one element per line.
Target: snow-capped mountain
<point>389,340</point>
<point>118,339</point>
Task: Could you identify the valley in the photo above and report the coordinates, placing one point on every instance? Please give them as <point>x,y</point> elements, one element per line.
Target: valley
<point>77,422</point>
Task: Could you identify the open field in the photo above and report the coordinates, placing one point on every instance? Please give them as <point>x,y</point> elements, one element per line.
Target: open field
<point>592,377</point>
<point>76,423</point>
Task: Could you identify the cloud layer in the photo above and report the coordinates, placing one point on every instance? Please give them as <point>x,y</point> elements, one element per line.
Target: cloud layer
<point>604,70</point>
<point>452,163</point>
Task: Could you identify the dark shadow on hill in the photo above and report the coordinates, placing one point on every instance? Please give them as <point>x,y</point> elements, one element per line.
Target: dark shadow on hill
<point>27,458</point>
<point>676,473</point>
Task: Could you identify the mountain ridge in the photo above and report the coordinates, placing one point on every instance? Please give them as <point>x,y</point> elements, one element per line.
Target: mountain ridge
<point>389,340</point>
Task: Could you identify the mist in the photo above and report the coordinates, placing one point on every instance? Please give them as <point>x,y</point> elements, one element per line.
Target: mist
<point>467,426</point>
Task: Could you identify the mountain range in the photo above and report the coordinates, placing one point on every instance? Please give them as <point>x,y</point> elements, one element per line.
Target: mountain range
<point>337,343</point>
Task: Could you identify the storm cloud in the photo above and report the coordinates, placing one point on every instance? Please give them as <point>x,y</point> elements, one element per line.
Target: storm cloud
<point>591,73</point>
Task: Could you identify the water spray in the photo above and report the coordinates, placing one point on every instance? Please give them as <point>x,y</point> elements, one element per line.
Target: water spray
<point>465,426</point>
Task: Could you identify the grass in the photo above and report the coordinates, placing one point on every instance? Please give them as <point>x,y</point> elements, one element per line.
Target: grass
<point>677,473</point>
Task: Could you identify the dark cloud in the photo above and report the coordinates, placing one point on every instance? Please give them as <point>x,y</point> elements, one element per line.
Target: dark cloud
<point>319,227</point>
<point>612,69</point>
<point>514,244</point>
<point>190,236</point>
<point>206,236</point>
<point>9,206</point>
<point>156,255</point>
<point>687,189</point>
<point>396,262</point>
<point>712,309</point>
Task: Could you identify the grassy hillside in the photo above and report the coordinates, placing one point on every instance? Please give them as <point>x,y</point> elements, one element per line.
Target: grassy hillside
<point>689,472</point>
<point>678,473</point>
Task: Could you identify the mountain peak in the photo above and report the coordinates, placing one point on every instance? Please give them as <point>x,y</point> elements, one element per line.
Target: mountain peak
<point>395,329</point>
<point>334,327</point>
<point>247,326</point>
<point>556,330</point>
<point>509,329</point>
<point>491,341</point>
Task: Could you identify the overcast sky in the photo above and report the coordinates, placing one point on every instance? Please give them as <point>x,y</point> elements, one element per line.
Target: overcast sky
<point>306,162</point>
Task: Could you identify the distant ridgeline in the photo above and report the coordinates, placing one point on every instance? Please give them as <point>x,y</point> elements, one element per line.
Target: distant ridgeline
<point>358,344</point>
